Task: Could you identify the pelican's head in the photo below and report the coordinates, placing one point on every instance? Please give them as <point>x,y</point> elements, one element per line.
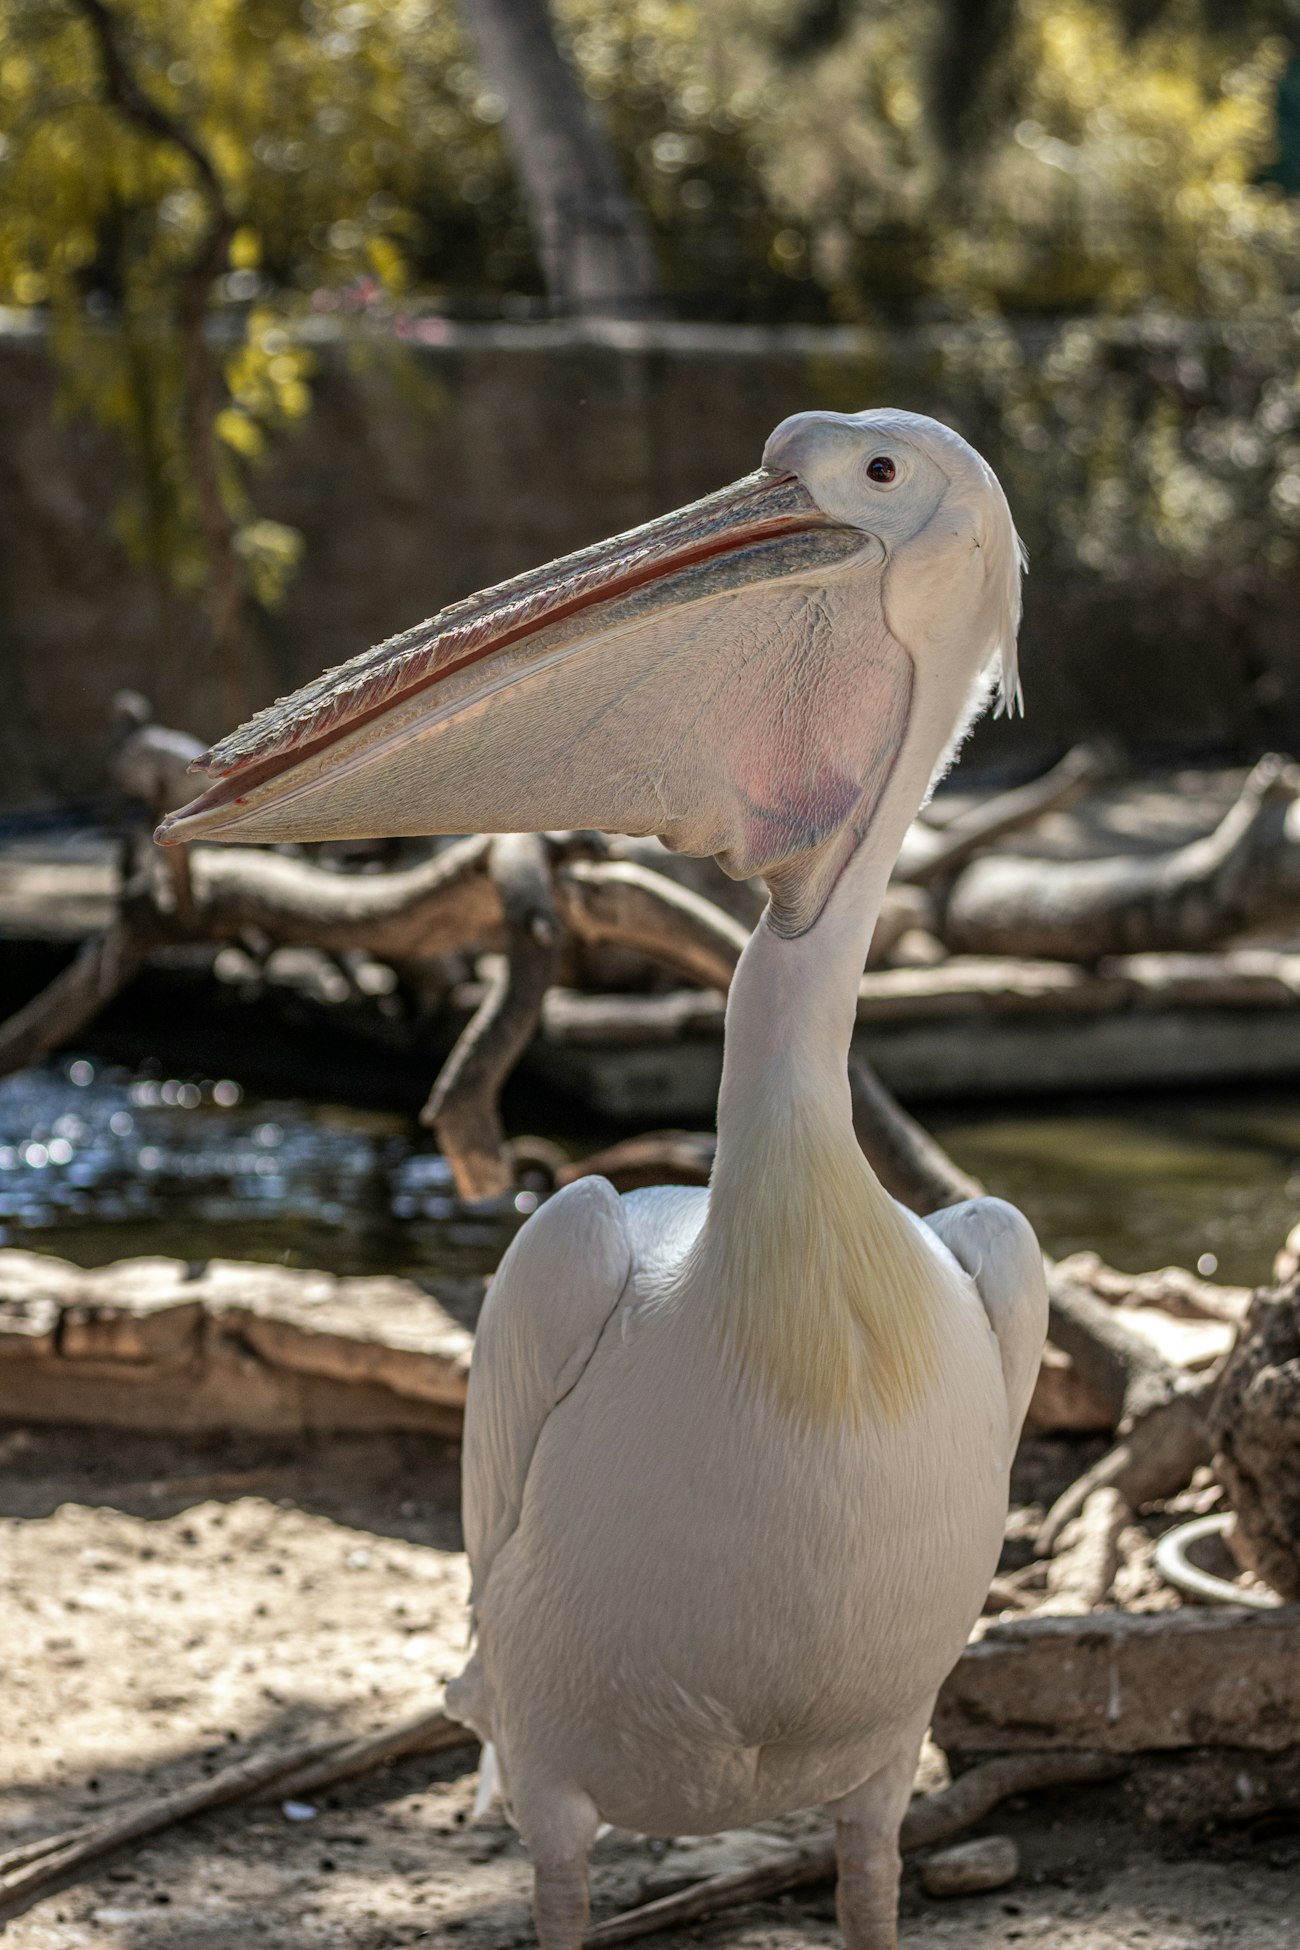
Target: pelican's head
<point>739,677</point>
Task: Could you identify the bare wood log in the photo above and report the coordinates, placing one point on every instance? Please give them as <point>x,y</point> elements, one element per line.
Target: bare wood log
<point>1243,875</point>
<point>445,904</point>
<point>910,1164</point>
<point>656,1158</point>
<point>623,902</point>
<point>1126,1683</point>
<point>1117,1365</point>
<point>935,1818</point>
<point>1154,1458</point>
<point>1173,1289</point>
<point>463,1107</point>
<point>1083,1570</point>
<point>28,1871</point>
<point>1061,1404</point>
<point>931,853</point>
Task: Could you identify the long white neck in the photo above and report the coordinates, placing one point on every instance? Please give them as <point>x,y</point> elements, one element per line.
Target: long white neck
<point>821,1287</point>
<point>793,1003</point>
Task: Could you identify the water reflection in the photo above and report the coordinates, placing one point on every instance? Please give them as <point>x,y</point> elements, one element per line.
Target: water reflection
<point>96,1164</point>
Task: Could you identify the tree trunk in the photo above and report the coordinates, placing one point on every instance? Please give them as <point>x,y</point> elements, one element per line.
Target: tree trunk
<point>593,245</point>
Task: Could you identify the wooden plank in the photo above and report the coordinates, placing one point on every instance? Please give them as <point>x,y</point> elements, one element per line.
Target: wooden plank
<point>1126,1683</point>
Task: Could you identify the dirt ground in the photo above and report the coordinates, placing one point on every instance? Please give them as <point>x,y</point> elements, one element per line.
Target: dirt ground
<point>166,1606</point>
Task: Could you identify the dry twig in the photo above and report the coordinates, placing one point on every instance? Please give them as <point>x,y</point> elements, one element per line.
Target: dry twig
<point>28,1871</point>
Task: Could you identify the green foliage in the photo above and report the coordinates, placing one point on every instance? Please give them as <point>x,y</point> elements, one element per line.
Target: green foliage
<point>353,145</point>
<point>1157,449</point>
<point>1119,162</point>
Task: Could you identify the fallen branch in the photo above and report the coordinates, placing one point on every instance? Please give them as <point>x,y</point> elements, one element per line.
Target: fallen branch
<point>934,1819</point>
<point>910,1164</point>
<point>620,902</point>
<point>28,1871</point>
<point>463,1105</point>
<point>933,853</point>
<point>1245,874</point>
<point>1154,1458</point>
<point>1081,1574</point>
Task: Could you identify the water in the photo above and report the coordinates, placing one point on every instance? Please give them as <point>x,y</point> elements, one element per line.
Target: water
<point>97,1164</point>
<point>1180,1180</point>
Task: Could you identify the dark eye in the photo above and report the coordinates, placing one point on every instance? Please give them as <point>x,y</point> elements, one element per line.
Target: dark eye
<point>881,469</point>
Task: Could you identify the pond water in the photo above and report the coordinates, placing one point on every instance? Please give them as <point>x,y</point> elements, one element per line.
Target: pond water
<point>97,1163</point>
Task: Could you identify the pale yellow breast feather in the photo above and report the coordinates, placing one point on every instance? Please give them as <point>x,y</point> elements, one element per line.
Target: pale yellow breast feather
<point>824,1295</point>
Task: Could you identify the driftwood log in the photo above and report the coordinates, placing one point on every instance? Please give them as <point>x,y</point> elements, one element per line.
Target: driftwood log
<point>935,851</point>
<point>1126,1683</point>
<point>1245,875</point>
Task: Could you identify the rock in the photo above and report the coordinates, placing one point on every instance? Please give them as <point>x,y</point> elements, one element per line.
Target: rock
<point>970,1868</point>
<point>1125,1683</point>
<point>1255,1429</point>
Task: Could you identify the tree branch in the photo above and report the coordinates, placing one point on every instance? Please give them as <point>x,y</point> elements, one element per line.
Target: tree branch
<point>620,901</point>
<point>226,593</point>
<point>1244,874</point>
<point>101,969</point>
<point>463,1105</point>
<point>931,854</point>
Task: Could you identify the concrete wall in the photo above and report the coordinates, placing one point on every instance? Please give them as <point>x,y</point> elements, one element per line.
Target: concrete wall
<point>423,475</point>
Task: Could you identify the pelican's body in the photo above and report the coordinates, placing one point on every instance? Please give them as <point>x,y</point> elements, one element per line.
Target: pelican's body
<point>736,1463</point>
<point>706,1617</point>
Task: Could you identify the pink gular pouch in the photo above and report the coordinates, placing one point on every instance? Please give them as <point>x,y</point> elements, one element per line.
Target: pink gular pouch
<point>701,678</point>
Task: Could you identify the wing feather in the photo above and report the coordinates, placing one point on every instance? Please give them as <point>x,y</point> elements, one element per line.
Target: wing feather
<point>556,1288</point>
<point>996,1245</point>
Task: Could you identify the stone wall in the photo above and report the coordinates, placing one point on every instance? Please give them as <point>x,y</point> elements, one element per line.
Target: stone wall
<point>422,475</point>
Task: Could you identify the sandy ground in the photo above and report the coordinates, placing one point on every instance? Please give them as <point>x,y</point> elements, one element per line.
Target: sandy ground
<point>166,1606</point>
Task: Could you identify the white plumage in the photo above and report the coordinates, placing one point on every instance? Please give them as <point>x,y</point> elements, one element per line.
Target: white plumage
<point>736,1462</point>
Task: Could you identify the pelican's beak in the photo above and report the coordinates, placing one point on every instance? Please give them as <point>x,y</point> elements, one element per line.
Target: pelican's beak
<point>649,684</point>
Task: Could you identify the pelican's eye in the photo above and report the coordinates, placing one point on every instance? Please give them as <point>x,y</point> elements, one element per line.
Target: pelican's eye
<point>881,469</point>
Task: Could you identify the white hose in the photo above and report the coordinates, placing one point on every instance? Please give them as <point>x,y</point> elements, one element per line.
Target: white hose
<point>1176,1567</point>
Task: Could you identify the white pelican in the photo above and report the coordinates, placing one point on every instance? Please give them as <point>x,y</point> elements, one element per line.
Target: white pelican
<point>736,1461</point>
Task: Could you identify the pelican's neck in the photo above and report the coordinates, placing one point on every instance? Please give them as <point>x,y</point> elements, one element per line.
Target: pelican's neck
<point>793,1002</point>
<point>823,1290</point>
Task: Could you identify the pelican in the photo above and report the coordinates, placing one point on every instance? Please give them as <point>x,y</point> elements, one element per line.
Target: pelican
<point>736,1462</point>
